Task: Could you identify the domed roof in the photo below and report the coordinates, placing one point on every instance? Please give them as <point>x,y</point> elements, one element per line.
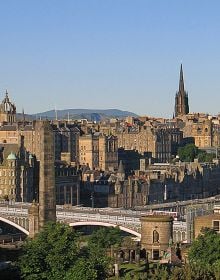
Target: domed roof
<point>11,156</point>
<point>6,105</point>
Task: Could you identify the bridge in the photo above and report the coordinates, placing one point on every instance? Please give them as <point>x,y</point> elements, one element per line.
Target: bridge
<point>128,220</point>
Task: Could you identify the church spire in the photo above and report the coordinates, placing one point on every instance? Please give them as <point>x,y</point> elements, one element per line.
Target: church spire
<point>181,99</point>
<point>181,81</point>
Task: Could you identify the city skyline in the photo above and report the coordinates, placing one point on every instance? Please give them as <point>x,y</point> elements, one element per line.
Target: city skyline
<point>124,55</point>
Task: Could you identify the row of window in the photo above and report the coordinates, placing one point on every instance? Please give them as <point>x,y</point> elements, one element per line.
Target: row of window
<point>5,173</point>
<point>7,182</point>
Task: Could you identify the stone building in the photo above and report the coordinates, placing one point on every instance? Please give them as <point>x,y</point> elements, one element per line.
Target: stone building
<point>211,221</point>
<point>17,173</point>
<point>153,184</point>
<point>66,138</point>
<point>180,181</point>
<point>156,235</point>
<point>126,192</point>
<point>199,127</point>
<point>67,182</point>
<point>98,151</point>
<point>159,143</point>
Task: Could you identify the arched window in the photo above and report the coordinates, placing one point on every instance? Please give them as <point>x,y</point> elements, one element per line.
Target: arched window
<point>155,236</point>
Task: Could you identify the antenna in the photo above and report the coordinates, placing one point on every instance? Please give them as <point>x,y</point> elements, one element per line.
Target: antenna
<point>55,109</point>
<point>68,117</point>
<point>23,115</point>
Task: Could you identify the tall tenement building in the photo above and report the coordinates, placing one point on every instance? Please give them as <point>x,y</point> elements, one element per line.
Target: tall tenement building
<point>181,100</point>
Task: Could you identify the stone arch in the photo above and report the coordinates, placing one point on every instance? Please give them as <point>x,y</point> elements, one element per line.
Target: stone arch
<point>14,225</point>
<point>94,223</point>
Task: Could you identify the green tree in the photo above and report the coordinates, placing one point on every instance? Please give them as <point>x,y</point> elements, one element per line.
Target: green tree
<point>203,156</point>
<point>205,250</point>
<point>83,269</point>
<point>50,254</point>
<point>106,237</point>
<point>188,152</point>
<point>56,253</point>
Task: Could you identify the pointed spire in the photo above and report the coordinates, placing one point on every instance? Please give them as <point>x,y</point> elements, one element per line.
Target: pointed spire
<point>23,115</point>
<point>181,81</point>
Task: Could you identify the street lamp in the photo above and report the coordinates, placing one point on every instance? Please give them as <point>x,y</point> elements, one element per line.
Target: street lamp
<point>91,180</point>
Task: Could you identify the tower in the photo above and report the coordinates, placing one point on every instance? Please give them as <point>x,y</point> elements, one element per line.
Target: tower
<point>156,234</point>
<point>47,204</point>
<point>7,110</point>
<point>181,100</point>
<point>44,211</point>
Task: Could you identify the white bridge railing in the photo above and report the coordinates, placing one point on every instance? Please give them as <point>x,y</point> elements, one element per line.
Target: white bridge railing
<point>127,218</point>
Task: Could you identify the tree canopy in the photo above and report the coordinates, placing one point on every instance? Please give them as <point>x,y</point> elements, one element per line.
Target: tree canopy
<point>205,250</point>
<point>56,253</point>
<point>106,237</point>
<point>189,152</point>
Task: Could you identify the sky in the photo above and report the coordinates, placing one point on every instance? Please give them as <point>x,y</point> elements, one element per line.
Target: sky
<point>103,54</point>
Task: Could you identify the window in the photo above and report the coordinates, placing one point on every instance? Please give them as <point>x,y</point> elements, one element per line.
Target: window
<point>155,236</point>
<point>156,254</point>
<point>216,225</point>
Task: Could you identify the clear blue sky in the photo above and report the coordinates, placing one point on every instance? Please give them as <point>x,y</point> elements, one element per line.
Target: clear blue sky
<point>121,54</point>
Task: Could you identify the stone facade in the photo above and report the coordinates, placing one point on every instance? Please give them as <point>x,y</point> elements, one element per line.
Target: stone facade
<point>159,143</point>
<point>66,140</point>
<point>207,221</point>
<point>156,235</point>
<point>67,182</point>
<point>17,173</point>
<point>47,198</point>
<point>98,151</point>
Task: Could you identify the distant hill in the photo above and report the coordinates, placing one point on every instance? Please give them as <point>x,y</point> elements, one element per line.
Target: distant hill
<point>90,114</point>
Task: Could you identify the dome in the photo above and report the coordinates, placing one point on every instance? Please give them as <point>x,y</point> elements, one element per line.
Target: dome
<point>11,156</point>
<point>6,105</point>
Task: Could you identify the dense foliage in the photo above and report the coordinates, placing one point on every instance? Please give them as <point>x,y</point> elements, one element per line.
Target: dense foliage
<point>189,152</point>
<point>205,250</point>
<point>57,253</point>
<point>106,237</point>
